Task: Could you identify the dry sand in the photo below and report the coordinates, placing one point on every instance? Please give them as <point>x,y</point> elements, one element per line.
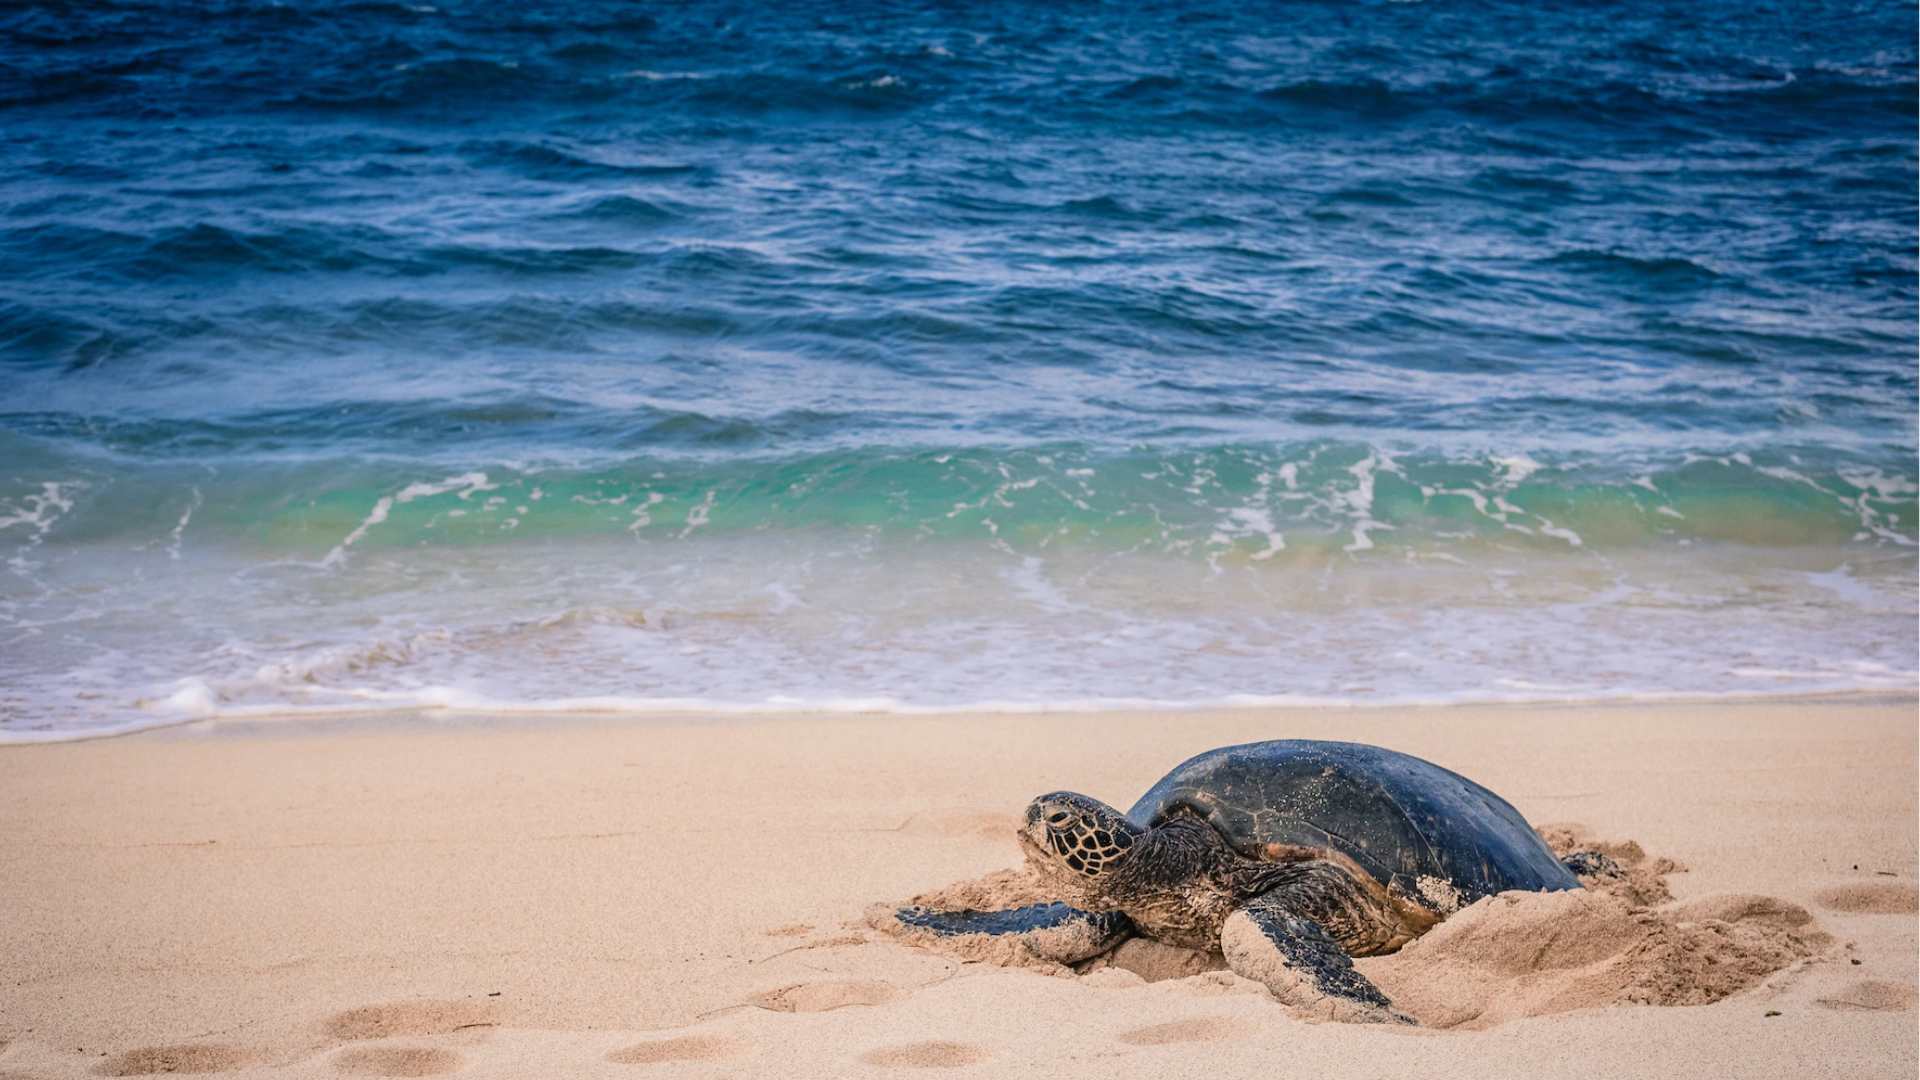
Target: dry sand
<point>688,899</point>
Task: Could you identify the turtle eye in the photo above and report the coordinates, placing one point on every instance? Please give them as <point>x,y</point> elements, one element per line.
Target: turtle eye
<point>1058,818</point>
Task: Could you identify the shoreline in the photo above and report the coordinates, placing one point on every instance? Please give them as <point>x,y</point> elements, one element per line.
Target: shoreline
<point>563,715</point>
<point>696,889</point>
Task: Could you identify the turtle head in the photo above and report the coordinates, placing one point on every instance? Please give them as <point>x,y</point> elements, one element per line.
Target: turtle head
<point>1077,839</point>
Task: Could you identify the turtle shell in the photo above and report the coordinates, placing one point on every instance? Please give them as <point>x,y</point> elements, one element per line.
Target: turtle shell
<point>1422,831</point>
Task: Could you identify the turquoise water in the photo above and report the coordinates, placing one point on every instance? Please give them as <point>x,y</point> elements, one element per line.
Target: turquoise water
<point>578,356</point>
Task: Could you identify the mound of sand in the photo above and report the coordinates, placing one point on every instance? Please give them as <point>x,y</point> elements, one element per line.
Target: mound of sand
<point>1505,957</point>
<point>1530,954</point>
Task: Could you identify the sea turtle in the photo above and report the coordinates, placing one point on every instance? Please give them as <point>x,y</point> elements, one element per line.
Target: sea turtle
<point>1288,857</point>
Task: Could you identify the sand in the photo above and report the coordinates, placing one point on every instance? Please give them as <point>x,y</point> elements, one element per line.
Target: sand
<point>480,898</point>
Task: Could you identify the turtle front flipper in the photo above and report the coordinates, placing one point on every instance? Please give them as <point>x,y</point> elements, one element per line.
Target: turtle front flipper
<point>1057,932</point>
<point>1302,965</point>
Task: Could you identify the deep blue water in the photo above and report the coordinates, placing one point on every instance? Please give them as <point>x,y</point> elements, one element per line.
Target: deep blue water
<point>748,356</point>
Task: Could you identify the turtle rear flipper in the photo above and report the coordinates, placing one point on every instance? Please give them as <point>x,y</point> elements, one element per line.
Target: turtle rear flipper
<point>1302,965</point>
<point>1057,932</point>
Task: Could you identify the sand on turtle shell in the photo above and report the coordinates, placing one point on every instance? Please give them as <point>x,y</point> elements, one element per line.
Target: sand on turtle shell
<point>1642,879</point>
<point>1502,958</point>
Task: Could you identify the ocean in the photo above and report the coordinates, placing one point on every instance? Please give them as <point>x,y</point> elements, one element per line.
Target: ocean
<point>640,358</point>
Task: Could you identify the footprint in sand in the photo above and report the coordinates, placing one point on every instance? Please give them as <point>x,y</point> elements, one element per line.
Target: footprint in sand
<point>827,995</point>
<point>410,1018</point>
<point>1872,898</point>
<point>1872,995</point>
<point>962,823</point>
<point>396,1061</point>
<point>184,1058</point>
<point>1192,1030</point>
<point>685,1048</point>
<point>925,1055</point>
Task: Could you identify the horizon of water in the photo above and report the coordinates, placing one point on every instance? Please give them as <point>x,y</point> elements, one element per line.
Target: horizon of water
<point>593,357</point>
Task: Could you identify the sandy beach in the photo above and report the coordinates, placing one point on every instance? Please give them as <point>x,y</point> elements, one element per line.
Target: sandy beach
<point>478,897</point>
<point>564,540</point>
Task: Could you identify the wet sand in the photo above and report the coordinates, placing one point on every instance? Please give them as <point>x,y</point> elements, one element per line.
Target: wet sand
<point>485,897</point>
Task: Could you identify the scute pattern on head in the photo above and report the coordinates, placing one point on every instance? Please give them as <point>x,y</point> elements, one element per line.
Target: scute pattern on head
<point>1086,836</point>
